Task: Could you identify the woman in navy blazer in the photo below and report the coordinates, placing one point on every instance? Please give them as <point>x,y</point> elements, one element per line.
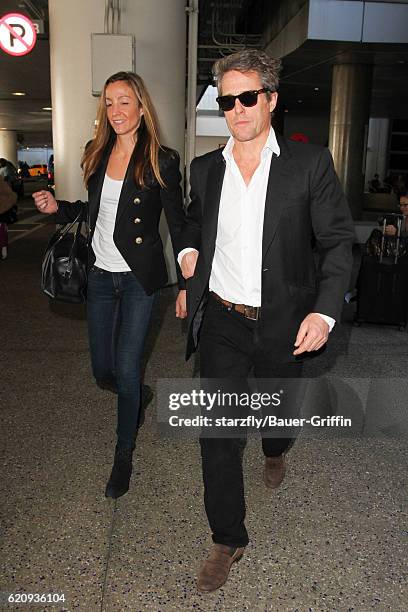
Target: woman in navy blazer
<point>130,178</point>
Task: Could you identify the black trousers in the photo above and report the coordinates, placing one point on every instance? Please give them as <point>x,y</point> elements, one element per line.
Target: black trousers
<point>231,350</point>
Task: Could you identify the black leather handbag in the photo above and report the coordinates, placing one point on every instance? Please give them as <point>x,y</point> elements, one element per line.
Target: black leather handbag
<point>64,271</point>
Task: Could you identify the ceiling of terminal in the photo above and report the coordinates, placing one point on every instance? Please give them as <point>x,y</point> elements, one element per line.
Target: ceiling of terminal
<point>310,66</point>
<point>224,26</point>
<point>306,75</point>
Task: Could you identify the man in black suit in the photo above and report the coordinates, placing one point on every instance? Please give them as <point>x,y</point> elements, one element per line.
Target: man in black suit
<point>257,301</point>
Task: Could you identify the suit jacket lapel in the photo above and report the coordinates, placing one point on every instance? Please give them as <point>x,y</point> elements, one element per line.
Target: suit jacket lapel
<point>282,173</point>
<point>215,178</point>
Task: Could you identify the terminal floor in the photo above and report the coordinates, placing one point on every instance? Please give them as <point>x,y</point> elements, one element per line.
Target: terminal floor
<point>333,537</point>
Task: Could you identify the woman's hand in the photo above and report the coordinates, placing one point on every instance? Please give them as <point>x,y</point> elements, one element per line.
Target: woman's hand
<point>181,304</point>
<point>390,230</point>
<point>45,202</point>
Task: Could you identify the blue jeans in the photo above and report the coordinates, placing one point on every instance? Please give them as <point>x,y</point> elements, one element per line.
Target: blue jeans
<point>118,312</point>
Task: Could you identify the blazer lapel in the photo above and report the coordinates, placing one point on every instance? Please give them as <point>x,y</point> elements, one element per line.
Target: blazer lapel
<point>215,178</point>
<point>129,188</point>
<point>281,175</point>
<point>96,184</point>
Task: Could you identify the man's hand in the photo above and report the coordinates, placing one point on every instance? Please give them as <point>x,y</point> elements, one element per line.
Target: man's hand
<point>390,230</point>
<point>45,202</point>
<point>181,304</point>
<point>312,335</point>
<point>188,264</point>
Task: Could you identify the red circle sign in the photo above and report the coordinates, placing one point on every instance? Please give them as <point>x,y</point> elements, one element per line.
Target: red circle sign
<point>17,34</point>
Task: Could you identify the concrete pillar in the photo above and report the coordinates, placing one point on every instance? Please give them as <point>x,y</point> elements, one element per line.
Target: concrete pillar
<point>8,145</point>
<point>73,106</point>
<point>350,106</point>
<point>159,28</point>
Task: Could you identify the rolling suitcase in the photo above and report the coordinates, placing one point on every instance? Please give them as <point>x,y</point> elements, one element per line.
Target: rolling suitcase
<point>382,285</point>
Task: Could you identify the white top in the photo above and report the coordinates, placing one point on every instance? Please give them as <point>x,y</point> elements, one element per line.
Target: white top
<point>107,255</point>
<point>236,273</point>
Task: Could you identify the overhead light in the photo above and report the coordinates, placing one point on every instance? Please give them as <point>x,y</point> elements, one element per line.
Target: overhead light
<point>49,108</point>
<point>3,128</point>
<point>300,101</point>
<point>18,93</point>
<point>400,62</point>
<point>316,88</point>
<point>286,110</point>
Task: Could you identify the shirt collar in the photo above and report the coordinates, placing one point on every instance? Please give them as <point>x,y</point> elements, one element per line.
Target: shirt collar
<point>271,144</point>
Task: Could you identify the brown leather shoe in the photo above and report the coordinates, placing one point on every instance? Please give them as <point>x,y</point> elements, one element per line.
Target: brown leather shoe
<point>215,569</point>
<point>274,471</point>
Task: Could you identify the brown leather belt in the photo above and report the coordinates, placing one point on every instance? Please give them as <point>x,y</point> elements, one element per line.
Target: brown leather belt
<point>249,312</point>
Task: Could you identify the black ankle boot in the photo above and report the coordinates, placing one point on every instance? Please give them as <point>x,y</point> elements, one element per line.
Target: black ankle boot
<point>118,483</point>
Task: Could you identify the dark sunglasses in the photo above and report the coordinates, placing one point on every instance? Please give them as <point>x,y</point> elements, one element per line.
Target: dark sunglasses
<point>247,98</point>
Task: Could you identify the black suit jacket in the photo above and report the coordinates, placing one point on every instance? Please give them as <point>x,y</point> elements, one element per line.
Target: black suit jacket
<point>138,215</point>
<point>306,247</point>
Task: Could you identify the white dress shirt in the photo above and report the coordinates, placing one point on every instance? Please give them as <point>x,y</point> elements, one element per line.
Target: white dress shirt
<point>237,264</point>
<point>236,273</point>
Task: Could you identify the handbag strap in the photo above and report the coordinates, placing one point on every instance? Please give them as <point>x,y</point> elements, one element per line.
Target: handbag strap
<point>67,227</point>
<point>87,226</point>
<point>63,231</point>
<point>77,235</point>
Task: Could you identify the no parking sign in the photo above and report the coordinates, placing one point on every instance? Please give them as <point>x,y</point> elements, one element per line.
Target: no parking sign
<point>17,34</point>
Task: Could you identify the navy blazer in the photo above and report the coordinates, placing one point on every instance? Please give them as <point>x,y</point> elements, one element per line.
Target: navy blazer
<point>306,246</point>
<point>136,233</point>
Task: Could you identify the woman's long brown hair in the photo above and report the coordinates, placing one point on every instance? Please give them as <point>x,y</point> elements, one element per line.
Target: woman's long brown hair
<point>147,143</point>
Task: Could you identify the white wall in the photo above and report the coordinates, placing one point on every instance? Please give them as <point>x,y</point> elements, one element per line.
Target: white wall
<point>159,28</point>
<point>73,106</point>
<point>211,125</point>
<point>204,144</point>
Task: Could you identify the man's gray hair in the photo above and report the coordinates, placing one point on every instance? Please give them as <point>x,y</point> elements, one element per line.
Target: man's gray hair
<point>249,60</point>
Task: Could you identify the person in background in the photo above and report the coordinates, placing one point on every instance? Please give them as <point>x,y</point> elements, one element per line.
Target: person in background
<point>387,182</point>
<point>5,170</point>
<point>375,184</point>
<point>8,199</point>
<point>9,172</point>
<point>399,184</point>
<point>391,229</point>
<point>130,178</point>
<point>24,169</point>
